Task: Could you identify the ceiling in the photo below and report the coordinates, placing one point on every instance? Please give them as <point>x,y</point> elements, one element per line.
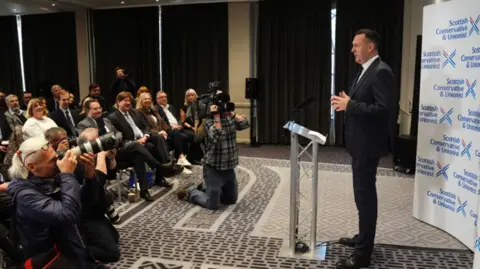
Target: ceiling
<point>19,7</point>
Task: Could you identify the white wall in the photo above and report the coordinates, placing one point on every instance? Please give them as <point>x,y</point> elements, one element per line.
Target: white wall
<point>412,26</point>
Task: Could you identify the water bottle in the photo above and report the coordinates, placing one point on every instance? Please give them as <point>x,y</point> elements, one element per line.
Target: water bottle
<point>131,180</point>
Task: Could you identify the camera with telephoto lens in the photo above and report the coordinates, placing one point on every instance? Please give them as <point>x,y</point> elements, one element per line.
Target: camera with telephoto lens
<point>221,100</point>
<point>103,143</point>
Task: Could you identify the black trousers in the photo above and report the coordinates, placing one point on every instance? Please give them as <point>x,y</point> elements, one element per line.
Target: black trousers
<point>101,239</point>
<point>158,147</point>
<point>195,152</point>
<point>365,193</point>
<point>178,141</point>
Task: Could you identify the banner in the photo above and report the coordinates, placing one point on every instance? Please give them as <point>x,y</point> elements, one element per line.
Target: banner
<point>448,152</point>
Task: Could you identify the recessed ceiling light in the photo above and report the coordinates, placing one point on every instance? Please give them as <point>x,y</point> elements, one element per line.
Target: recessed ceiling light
<point>14,10</point>
<point>122,2</point>
<point>156,0</point>
<point>53,5</point>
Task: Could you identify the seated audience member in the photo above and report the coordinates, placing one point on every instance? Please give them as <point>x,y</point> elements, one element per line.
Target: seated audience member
<point>141,90</point>
<point>195,131</point>
<point>99,234</point>
<point>176,139</point>
<point>94,91</point>
<point>14,116</point>
<point>16,139</point>
<point>3,105</point>
<point>72,104</point>
<point>63,116</point>
<point>44,103</point>
<point>52,103</point>
<point>37,120</point>
<point>47,199</point>
<point>58,139</point>
<point>167,111</point>
<point>221,158</point>
<point>7,231</point>
<point>27,96</point>
<point>131,152</point>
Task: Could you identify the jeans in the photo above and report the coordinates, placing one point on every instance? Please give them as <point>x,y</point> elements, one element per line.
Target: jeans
<point>220,188</point>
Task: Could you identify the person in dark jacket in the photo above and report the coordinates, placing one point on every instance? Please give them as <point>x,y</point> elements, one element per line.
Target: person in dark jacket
<point>47,201</point>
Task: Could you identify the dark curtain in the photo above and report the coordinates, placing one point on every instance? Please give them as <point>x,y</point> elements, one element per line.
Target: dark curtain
<point>127,38</point>
<point>10,71</point>
<point>294,62</point>
<point>50,52</point>
<point>356,15</point>
<point>194,48</point>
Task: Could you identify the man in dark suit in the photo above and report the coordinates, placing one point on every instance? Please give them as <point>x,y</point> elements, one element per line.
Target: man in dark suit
<point>134,128</point>
<point>370,110</point>
<point>63,116</point>
<point>167,111</point>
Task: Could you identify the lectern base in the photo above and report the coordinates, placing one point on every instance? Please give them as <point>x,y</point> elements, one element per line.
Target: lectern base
<point>319,253</point>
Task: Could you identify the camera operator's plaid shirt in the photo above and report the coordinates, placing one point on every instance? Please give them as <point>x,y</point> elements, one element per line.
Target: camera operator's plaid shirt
<point>221,144</point>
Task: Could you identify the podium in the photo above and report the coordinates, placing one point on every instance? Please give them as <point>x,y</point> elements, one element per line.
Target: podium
<point>315,138</point>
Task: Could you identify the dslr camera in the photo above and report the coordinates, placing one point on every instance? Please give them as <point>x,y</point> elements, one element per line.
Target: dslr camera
<point>221,100</point>
<point>103,143</point>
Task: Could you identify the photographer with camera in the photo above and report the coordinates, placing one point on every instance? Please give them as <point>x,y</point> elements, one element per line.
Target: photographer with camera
<point>221,156</point>
<point>123,83</point>
<point>47,201</point>
<point>99,234</point>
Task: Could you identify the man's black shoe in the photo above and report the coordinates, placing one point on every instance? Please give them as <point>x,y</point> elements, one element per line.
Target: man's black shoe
<point>162,182</point>
<point>349,242</point>
<point>353,262</point>
<point>146,196</point>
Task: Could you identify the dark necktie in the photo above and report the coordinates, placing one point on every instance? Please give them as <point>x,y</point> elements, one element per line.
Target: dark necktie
<point>357,76</point>
<point>101,126</point>
<point>22,118</point>
<point>70,123</point>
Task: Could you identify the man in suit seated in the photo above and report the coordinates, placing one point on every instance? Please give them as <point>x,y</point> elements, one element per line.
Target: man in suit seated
<point>131,152</point>
<point>63,116</point>
<point>167,111</point>
<point>14,115</point>
<point>370,114</point>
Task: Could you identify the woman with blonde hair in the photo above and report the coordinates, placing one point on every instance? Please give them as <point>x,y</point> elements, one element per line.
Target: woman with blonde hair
<point>189,116</point>
<point>37,119</point>
<point>175,138</point>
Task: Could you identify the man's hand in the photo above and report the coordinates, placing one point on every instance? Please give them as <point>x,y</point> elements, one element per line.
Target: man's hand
<point>63,146</point>
<point>213,108</point>
<point>68,163</point>
<point>3,148</point>
<point>164,134</point>
<point>142,140</point>
<point>176,127</point>
<point>88,160</point>
<point>340,102</point>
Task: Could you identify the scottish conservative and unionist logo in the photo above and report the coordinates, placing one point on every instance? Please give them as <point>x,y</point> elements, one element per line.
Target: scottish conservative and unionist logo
<point>446,116</point>
<point>467,180</point>
<point>475,24</point>
<point>471,59</point>
<point>435,115</point>
<point>452,145</point>
<point>431,168</point>
<point>456,88</point>
<point>461,208</point>
<point>445,199</point>
<point>470,120</point>
<point>471,84</point>
<point>449,59</point>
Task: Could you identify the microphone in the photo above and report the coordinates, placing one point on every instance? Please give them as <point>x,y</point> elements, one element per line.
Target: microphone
<point>304,104</point>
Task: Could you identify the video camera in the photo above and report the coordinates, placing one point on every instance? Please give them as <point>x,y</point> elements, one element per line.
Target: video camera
<point>221,100</point>
<point>105,142</point>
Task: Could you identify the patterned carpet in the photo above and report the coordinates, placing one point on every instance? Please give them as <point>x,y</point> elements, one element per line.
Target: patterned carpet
<point>169,233</point>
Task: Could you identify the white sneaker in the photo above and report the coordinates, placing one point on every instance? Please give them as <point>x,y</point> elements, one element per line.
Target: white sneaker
<point>183,162</point>
<point>187,171</point>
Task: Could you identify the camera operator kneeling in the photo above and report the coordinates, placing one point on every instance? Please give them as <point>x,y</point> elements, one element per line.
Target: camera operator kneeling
<point>221,158</point>
<point>47,201</point>
<point>99,234</point>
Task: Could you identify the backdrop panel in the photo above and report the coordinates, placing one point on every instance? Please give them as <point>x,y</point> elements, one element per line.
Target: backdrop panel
<point>446,181</point>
